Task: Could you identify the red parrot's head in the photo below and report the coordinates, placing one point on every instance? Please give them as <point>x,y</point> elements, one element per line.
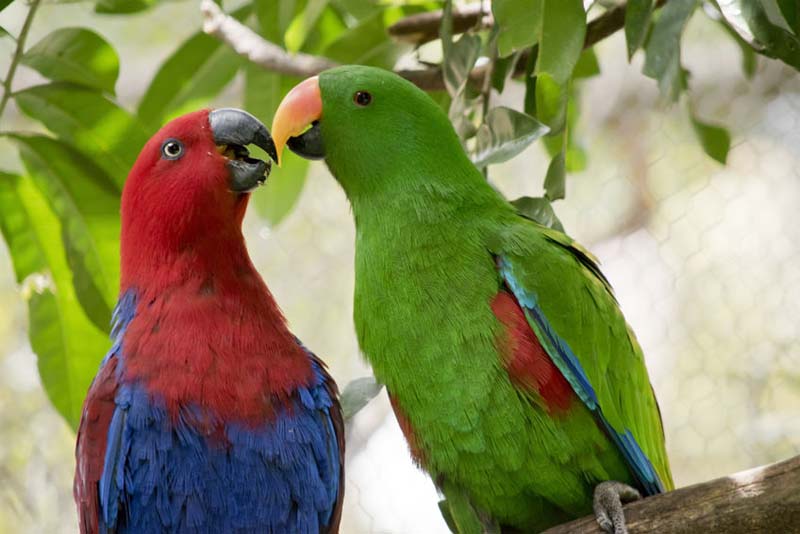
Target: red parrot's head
<point>188,190</point>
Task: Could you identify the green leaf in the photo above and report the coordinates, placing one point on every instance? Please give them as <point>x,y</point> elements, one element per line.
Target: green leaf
<point>538,209</point>
<point>68,346</point>
<point>86,202</point>
<point>122,7</point>
<point>4,4</point>
<point>504,134</point>
<point>637,20</point>
<point>196,73</point>
<point>519,23</point>
<point>75,55</point>
<point>561,41</point>
<point>767,38</point>
<point>663,52</point>
<point>749,59</point>
<point>193,75</point>
<point>4,32</point>
<point>587,66</point>
<point>366,43</point>
<point>503,70</point>
<point>274,18</point>
<point>263,92</point>
<point>716,141</point>
<point>357,394</point>
<point>302,25</point>
<point>551,102</point>
<point>108,134</point>
<point>555,180</point>
<point>458,62</point>
<point>791,14</point>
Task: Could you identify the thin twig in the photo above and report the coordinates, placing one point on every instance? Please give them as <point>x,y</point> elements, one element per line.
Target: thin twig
<point>18,51</point>
<point>421,28</point>
<point>273,58</point>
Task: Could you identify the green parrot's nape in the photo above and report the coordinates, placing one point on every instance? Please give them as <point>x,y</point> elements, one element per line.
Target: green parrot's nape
<point>512,372</point>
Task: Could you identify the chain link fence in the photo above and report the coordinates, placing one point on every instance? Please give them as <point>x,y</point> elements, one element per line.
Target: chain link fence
<point>705,260</point>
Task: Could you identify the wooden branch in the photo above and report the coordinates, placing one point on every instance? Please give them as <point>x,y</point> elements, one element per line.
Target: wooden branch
<point>762,500</point>
<point>272,57</point>
<point>424,27</point>
<point>255,48</point>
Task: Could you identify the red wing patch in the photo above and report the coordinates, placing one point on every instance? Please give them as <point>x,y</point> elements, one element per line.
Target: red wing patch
<point>405,425</point>
<point>528,365</point>
<point>90,450</point>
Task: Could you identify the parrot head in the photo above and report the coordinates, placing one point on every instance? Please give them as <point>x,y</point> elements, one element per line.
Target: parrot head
<point>189,187</point>
<point>368,124</point>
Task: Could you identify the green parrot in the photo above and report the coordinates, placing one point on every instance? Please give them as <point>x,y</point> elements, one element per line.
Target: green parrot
<point>516,381</point>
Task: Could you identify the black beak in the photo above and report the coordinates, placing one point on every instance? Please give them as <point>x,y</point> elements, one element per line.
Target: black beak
<point>234,129</point>
<point>308,144</point>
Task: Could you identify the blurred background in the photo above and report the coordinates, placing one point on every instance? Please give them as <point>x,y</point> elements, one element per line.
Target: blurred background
<point>705,260</point>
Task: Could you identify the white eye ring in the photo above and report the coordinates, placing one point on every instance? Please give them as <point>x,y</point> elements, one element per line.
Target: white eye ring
<point>171,149</point>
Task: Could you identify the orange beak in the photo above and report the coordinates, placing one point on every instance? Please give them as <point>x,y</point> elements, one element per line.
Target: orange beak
<point>298,110</point>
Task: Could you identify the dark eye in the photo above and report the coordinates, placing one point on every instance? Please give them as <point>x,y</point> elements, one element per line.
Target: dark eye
<point>362,98</point>
<point>171,149</point>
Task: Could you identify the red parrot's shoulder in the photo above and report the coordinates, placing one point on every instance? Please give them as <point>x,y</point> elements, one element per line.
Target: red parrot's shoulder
<point>90,449</point>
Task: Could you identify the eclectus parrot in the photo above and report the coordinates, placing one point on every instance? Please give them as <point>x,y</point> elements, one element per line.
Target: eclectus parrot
<point>207,414</point>
<point>510,367</point>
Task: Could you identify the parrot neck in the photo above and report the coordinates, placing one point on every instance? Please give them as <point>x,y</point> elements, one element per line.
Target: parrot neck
<point>206,331</point>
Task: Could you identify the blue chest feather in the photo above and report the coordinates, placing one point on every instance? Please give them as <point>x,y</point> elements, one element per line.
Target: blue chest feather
<point>167,475</point>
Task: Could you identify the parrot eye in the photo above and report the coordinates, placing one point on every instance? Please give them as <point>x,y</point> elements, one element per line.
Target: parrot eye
<point>172,149</point>
<point>362,98</point>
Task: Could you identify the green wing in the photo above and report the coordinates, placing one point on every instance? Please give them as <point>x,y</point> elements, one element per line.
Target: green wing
<point>571,308</point>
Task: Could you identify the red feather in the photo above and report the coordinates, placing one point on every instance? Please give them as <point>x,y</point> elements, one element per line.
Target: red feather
<point>90,450</point>
<point>224,342</point>
<point>408,431</point>
<point>528,365</point>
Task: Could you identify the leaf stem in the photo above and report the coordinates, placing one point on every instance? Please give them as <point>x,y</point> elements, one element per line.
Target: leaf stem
<point>18,51</point>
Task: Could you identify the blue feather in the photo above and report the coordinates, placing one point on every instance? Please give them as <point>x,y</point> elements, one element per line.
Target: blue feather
<point>569,365</point>
<point>161,475</point>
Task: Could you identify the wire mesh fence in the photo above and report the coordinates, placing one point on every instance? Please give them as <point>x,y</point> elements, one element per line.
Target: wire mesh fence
<point>705,260</point>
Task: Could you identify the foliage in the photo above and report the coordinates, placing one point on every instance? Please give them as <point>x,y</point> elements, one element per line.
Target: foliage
<point>59,217</point>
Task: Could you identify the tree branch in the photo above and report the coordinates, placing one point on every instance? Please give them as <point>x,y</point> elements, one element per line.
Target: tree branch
<point>274,58</point>
<point>424,27</point>
<point>764,499</point>
<point>255,48</point>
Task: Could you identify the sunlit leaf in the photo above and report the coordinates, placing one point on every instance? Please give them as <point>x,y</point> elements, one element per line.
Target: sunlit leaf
<point>303,23</point>
<point>86,202</point>
<point>663,59</point>
<point>637,20</point>
<point>519,23</point>
<point>274,18</point>
<point>111,136</point>
<point>75,55</point>
<point>555,180</point>
<point>538,209</point>
<point>749,58</point>
<point>716,141</point>
<point>263,92</point>
<point>68,346</point>
<point>504,134</point>
<point>551,102</point>
<point>561,41</point>
<point>357,394</point>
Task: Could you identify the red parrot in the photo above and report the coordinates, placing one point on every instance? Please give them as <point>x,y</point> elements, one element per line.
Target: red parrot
<point>207,414</point>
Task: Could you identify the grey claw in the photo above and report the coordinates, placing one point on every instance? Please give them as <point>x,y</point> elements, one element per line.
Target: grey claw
<point>607,504</point>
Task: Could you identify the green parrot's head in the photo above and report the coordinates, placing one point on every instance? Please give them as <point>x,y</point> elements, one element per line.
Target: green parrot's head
<point>376,131</point>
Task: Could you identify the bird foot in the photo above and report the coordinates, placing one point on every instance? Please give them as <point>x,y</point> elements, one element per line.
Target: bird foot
<point>608,499</point>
